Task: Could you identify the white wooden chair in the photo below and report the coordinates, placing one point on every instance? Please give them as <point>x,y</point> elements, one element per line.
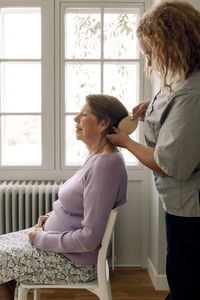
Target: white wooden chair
<point>100,286</point>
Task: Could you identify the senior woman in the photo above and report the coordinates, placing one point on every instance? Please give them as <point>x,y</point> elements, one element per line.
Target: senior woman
<point>63,246</point>
<point>169,38</point>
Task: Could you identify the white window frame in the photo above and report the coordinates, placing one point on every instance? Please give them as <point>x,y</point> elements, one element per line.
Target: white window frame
<point>53,127</point>
<point>61,5</point>
<point>47,78</point>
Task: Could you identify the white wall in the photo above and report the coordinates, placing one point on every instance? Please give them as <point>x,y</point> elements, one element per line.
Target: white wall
<point>195,3</point>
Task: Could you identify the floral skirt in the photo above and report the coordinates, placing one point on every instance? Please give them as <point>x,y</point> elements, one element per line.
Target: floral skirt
<point>21,261</point>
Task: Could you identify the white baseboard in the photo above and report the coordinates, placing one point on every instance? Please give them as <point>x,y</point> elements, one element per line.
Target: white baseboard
<point>159,281</point>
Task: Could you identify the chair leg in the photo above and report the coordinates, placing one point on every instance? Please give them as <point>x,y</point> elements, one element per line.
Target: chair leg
<point>22,293</point>
<point>36,294</point>
<point>105,293</point>
<point>109,291</point>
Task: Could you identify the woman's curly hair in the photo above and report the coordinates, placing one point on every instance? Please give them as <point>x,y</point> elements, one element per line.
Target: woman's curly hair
<point>171,32</point>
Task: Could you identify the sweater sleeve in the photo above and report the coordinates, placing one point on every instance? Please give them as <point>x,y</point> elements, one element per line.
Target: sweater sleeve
<point>101,191</point>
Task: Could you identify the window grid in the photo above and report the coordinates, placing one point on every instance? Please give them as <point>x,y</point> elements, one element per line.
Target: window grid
<point>102,61</point>
<point>53,103</point>
<point>15,59</point>
<point>42,10</point>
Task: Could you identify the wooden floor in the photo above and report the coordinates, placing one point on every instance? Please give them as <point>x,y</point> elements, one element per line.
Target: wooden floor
<point>126,283</point>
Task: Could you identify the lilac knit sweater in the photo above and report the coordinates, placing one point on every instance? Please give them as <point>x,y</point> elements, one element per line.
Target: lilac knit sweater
<point>76,225</point>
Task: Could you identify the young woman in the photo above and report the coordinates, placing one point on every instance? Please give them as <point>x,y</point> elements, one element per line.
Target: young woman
<point>169,38</point>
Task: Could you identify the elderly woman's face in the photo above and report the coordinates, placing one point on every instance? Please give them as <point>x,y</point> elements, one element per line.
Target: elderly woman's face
<point>87,126</point>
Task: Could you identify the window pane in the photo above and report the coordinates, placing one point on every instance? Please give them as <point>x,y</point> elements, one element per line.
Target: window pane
<point>121,81</point>
<point>81,80</point>
<point>119,33</point>
<point>21,87</point>
<point>76,151</point>
<point>21,140</point>
<point>21,33</point>
<point>82,33</point>
<point>101,55</point>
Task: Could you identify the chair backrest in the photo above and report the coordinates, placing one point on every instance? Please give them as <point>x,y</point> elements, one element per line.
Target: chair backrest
<point>102,255</point>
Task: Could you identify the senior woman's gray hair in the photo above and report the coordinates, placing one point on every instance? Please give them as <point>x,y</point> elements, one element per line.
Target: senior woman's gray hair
<point>107,108</point>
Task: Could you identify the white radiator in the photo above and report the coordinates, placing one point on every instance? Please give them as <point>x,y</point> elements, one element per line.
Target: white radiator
<point>21,203</point>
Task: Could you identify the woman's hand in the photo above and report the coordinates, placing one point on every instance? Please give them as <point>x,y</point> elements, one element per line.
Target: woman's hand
<point>140,110</point>
<point>41,221</point>
<point>33,234</point>
<point>119,139</point>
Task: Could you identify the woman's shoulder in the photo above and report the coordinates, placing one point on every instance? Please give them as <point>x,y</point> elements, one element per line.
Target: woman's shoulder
<point>105,167</point>
<point>110,157</point>
<point>191,84</point>
<point>110,166</point>
<point>108,160</point>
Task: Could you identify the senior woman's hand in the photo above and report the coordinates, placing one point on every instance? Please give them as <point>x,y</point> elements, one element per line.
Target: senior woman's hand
<point>33,234</point>
<point>119,139</point>
<point>41,221</point>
